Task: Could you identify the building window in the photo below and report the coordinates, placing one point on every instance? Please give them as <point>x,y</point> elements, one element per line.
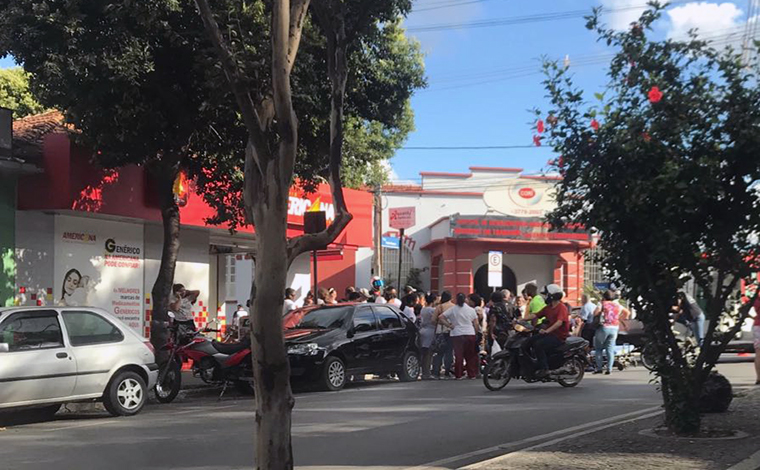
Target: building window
<point>229,275</point>
<point>390,266</point>
<point>592,266</point>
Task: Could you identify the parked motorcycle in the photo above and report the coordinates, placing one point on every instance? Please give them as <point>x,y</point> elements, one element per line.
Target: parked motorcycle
<point>214,362</point>
<point>567,364</point>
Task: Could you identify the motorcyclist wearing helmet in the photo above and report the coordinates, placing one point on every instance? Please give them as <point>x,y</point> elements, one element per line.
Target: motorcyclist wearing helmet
<point>554,336</point>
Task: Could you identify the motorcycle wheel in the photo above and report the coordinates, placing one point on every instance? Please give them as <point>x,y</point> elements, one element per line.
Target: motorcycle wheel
<point>580,369</point>
<point>496,374</point>
<point>647,360</point>
<point>168,389</point>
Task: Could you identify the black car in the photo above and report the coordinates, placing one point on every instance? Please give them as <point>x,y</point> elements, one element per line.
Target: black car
<point>329,343</point>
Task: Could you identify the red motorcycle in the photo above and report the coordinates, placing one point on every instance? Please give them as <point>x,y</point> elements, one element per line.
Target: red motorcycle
<point>214,362</point>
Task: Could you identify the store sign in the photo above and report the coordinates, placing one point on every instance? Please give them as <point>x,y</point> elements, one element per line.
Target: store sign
<point>99,263</point>
<point>514,228</point>
<point>391,243</point>
<point>495,267</point>
<point>402,217</point>
<point>521,197</point>
<point>299,205</point>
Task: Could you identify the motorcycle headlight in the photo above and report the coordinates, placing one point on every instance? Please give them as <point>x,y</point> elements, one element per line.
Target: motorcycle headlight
<point>307,349</point>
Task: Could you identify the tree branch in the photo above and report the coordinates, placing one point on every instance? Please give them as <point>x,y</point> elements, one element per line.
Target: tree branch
<point>298,10</point>
<point>333,24</point>
<point>231,71</point>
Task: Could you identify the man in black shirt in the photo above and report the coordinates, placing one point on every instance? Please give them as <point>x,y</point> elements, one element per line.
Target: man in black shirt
<point>500,317</point>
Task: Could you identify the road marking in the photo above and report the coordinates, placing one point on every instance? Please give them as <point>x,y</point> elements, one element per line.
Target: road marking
<point>572,431</point>
<point>97,422</point>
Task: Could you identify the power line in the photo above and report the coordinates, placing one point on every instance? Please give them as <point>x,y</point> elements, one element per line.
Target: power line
<point>443,5</point>
<point>471,147</point>
<point>515,20</point>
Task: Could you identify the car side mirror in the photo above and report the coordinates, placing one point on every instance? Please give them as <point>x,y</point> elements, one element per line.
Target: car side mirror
<point>351,332</point>
<point>4,347</point>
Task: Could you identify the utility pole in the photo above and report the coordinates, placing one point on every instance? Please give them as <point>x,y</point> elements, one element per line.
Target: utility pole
<point>377,220</point>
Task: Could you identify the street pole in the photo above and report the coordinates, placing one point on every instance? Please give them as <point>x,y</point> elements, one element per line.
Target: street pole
<point>378,230</point>
<point>400,254</point>
<point>316,284</point>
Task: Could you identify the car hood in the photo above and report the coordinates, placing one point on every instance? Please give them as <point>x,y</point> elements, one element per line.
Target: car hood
<point>321,337</point>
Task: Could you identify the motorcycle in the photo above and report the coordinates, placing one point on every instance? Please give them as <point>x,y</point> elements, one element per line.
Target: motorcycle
<point>567,364</point>
<point>216,363</point>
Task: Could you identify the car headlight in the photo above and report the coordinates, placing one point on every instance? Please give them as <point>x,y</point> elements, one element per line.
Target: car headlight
<point>307,349</point>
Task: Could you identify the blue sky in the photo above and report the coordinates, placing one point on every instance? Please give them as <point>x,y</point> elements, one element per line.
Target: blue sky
<point>457,111</point>
<point>484,81</point>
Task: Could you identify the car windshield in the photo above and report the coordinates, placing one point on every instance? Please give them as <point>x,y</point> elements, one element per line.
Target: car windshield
<point>322,318</point>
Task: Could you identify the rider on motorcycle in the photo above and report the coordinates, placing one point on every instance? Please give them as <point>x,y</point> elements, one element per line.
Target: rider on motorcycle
<point>554,336</point>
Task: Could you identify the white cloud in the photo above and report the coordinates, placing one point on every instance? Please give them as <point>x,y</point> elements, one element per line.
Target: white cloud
<point>622,12</point>
<point>710,19</point>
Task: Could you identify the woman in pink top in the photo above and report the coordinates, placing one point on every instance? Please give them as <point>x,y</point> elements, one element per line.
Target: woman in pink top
<point>611,313</point>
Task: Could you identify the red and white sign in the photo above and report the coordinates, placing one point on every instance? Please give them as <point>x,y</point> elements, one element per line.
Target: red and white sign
<point>402,217</point>
<point>521,197</point>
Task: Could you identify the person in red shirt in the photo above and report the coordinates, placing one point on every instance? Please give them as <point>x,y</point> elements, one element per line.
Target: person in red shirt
<point>558,319</point>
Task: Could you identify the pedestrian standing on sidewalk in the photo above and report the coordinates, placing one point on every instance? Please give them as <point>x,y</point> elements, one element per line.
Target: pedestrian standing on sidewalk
<point>463,322</point>
<point>427,334</point>
<point>499,320</point>
<point>290,301</point>
<point>407,307</point>
<point>444,349</point>
<point>610,313</point>
<point>391,296</point>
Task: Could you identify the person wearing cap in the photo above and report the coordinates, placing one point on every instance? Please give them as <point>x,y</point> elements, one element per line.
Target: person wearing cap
<point>554,336</point>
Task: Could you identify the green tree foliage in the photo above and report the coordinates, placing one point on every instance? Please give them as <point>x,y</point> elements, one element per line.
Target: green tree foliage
<point>15,94</point>
<point>385,69</point>
<point>667,174</point>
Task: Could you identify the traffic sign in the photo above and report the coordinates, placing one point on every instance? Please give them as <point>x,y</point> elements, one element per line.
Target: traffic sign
<point>495,266</point>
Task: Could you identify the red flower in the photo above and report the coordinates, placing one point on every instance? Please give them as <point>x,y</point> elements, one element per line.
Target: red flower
<point>537,141</point>
<point>647,138</point>
<point>550,163</point>
<point>655,95</point>
<point>561,161</point>
<point>540,126</point>
<point>595,124</point>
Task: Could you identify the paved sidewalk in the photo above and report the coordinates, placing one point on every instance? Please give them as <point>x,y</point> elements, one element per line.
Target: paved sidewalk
<point>622,447</point>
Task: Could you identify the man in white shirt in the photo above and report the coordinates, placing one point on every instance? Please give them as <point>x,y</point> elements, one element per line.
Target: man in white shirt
<point>391,295</point>
<point>290,301</point>
<point>587,315</point>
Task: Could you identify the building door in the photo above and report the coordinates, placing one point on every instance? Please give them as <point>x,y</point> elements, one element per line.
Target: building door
<point>508,281</point>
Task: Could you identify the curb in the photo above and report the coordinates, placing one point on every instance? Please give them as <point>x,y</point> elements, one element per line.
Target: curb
<point>750,463</point>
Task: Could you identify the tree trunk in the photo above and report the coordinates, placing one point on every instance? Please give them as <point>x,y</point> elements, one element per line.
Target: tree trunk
<point>274,399</point>
<point>161,292</point>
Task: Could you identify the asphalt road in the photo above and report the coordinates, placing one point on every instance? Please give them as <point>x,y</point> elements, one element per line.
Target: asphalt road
<point>386,424</point>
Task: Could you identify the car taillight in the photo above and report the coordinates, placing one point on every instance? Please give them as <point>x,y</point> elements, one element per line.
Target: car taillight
<point>150,346</point>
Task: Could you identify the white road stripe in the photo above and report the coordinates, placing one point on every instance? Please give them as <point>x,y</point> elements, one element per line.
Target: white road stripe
<point>574,431</point>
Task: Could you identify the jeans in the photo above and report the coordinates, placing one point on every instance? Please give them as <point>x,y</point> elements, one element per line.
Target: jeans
<point>542,345</point>
<point>444,356</point>
<point>427,358</point>
<point>698,327</point>
<point>465,348</point>
<point>605,339</point>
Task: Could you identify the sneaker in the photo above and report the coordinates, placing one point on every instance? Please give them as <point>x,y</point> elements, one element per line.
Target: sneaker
<point>596,372</point>
<point>606,372</point>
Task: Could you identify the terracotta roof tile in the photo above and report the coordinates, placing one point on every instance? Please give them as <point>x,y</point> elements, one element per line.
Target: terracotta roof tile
<point>29,133</point>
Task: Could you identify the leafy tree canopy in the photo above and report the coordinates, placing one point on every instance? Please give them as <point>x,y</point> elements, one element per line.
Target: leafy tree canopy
<point>15,94</point>
<point>664,165</point>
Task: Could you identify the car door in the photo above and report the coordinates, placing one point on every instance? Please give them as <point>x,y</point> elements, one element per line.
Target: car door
<point>364,341</point>
<point>98,345</point>
<point>394,337</point>
<point>38,364</point>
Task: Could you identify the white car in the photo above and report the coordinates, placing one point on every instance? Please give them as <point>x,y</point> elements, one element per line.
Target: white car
<point>54,355</point>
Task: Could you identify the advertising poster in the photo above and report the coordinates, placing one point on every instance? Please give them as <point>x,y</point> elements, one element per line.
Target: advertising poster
<point>99,263</point>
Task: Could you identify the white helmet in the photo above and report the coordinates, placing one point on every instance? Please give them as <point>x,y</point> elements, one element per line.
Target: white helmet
<point>553,292</point>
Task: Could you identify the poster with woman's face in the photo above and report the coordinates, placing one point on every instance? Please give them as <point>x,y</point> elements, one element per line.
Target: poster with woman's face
<point>99,263</point>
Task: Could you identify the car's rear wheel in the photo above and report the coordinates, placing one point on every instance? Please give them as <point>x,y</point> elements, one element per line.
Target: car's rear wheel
<point>126,394</point>
<point>333,374</point>
<point>168,387</point>
<point>410,367</point>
